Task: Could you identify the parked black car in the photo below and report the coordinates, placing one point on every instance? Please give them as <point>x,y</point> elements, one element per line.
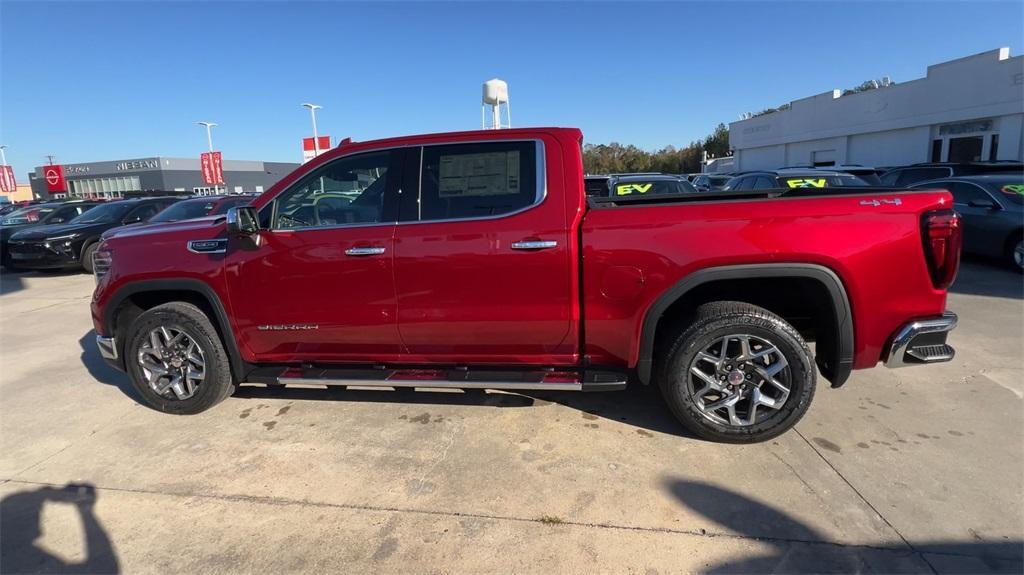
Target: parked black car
<point>992,208</point>
<point>38,215</point>
<point>637,184</point>
<point>710,182</point>
<point>905,176</point>
<point>789,178</point>
<point>70,245</point>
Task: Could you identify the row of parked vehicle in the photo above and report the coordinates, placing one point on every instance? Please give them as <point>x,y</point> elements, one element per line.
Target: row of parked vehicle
<point>988,195</point>
<point>64,234</point>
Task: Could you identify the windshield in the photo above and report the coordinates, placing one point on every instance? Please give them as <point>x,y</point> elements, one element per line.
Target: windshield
<point>104,214</point>
<point>26,215</point>
<point>1010,191</point>
<point>184,211</point>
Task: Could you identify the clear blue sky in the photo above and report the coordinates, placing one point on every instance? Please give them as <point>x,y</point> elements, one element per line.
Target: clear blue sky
<point>91,81</point>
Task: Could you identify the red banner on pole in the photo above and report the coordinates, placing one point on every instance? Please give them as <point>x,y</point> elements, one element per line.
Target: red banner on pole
<point>309,149</point>
<point>212,167</point>
<point>54,176</point>
<point>7,183</point>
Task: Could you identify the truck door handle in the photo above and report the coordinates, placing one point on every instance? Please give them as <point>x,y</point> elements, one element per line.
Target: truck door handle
<point>364,251</point>
<point>534,245</point>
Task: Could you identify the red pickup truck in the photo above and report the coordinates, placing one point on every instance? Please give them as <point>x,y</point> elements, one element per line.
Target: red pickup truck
<point>475,260</point>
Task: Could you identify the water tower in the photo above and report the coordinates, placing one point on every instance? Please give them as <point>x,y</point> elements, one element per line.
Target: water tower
<point>495,94</point>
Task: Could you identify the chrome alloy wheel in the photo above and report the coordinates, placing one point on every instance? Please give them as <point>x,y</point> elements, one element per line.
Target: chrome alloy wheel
<point>736,376</point>
<point>172,363</point>
<point>1018,254</point>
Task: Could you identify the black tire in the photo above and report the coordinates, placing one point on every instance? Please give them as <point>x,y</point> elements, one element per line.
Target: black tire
<point>218,383</point>
<point>87,256</point>
<point>711,323</point>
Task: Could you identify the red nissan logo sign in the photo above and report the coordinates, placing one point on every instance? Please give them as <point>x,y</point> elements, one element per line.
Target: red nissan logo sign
<point>54,176</point>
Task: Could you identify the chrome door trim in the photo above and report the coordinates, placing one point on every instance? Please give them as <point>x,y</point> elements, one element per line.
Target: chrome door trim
<point>534,245</point>
<point>365,251</point>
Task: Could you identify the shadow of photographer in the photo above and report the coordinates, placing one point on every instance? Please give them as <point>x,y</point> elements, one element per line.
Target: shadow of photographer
<point>21,526</point>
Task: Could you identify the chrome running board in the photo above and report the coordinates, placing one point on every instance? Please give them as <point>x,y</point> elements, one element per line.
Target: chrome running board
<point>554,380</point>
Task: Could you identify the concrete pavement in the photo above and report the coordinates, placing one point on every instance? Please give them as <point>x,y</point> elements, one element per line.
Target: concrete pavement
<point>914,470</point>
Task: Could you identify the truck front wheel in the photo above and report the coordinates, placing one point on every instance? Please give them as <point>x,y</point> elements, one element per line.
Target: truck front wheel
<point>176,361</point>
<point>738,374</point>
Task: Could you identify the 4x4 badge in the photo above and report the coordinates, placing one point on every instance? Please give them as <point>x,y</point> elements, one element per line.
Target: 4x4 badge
<point>895,202</point>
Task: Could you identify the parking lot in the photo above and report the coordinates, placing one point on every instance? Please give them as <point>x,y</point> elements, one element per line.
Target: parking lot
<point>915,470</point>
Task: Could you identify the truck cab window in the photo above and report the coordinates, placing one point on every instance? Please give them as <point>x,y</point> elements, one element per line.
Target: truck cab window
<point>347,191</point>
<point>477,180</point>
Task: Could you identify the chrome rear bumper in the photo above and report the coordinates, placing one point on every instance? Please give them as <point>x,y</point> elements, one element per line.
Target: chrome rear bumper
<point>922,341</point>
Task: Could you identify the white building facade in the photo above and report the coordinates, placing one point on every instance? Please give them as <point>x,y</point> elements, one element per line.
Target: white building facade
<point>969,109</point>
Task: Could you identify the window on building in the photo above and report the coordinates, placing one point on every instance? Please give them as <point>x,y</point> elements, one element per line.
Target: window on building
<point>993,149</point>
<point>936,150</point>
<point>965,149</point>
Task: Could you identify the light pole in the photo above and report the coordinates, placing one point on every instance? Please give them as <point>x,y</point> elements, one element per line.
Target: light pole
<point>209,141</point>
<point>3,155</point>
<point>209,136</point>
<point>316,140</point>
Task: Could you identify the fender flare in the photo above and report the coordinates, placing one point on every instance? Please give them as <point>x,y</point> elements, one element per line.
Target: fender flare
<point>220,319</point>
<point>836,369</point>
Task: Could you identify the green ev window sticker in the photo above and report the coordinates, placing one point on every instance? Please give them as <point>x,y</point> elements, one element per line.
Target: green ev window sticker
<point>1014,189</point>
<point>627,189</point>
<point>806,183</point>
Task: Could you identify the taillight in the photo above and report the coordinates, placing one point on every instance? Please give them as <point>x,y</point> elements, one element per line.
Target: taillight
<point>942,234</point>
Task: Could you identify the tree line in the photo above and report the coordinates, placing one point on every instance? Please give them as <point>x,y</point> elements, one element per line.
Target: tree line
<point>615,158</point>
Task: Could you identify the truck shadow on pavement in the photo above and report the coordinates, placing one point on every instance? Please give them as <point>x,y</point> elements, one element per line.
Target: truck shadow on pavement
<point>21,516</point>
<point>638,405</point>
<point>978,276</point>
<point>99,369</point>
<point>796,547</point>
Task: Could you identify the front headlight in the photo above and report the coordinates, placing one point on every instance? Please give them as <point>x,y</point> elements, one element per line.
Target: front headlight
<point>102,259</point>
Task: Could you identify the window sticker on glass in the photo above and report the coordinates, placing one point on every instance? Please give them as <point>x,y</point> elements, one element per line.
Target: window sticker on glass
<point>806,183</point>
<point>627,189</point>
<point>487,174</point>
<point>1014,189</point>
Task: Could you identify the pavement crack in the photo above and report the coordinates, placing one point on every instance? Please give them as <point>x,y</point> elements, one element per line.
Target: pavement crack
<point>285,502</point>
<point>866,502</point>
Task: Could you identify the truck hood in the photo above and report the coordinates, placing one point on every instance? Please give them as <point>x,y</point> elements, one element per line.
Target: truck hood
<point>204,223</point>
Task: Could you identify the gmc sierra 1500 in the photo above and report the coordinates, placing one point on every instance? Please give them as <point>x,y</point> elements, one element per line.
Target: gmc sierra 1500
<point>475,260</point>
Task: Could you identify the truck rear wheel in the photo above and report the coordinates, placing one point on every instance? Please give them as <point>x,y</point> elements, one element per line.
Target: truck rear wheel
<point>176,361</point>
<point>738,374</point>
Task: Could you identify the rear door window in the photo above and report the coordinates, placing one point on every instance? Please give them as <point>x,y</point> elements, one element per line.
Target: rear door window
<point>965,193</point>
<point>463,181</point>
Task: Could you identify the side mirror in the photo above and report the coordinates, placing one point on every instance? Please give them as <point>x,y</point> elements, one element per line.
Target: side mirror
<point>242,221</point>
<point>986,204</point>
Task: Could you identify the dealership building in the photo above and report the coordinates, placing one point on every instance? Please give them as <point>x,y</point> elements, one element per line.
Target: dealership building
<point>969,109</point>
<point>118,178</point>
